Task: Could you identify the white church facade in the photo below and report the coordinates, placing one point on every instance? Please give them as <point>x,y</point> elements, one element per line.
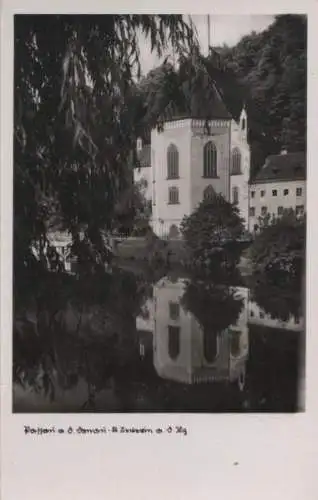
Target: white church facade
<point>189,161</point>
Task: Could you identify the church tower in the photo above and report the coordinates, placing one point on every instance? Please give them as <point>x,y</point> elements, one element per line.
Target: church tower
<point>190,162</point>
<point>240,165</point>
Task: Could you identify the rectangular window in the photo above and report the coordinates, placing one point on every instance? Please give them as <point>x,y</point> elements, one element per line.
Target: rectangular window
<point>299,191</point>
<point>286,191</point>
<point>252,211</point>
<point>300,210</point>
<point>252,194</point>
<point>173,196</point>
<point>280,210</point>
<point>274,192</point>
<point>261,315</point>
<point>264,210</point>
<point>252,314</point>
<point>262,194</point>
<point>174,310</point>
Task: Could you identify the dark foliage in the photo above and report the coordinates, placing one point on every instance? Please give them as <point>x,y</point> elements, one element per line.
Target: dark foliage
<point>76,120</point>
<point>211,233</point>
<point>278,251</point>
<point>272,68</point>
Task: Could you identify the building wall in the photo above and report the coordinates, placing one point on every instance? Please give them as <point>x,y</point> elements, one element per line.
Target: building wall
<point>191,365</point>
<point>219,134</point>
<point>239,140</point>
<point>164,214</point>
<point>179,368</point>
<point>273,202</point>
<point>256,316</point>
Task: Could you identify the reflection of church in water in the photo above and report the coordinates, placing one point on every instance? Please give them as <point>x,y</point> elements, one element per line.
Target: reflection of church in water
<point>183,352</point>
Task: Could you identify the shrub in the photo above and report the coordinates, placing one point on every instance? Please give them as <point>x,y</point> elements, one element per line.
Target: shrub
<point>278,251</point>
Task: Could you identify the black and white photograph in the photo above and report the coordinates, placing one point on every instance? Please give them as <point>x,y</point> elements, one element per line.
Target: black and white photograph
<point>159,213</point>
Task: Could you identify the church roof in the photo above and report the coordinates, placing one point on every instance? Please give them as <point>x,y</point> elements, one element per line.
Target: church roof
<point>213,109</point>
<point>282,167</point>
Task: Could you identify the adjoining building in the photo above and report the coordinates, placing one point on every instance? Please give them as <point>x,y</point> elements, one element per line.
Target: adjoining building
<point>192,158</point>
<point>279,185</point>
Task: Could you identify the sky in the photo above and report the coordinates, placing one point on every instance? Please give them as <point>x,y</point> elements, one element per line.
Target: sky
<point>224,29</point>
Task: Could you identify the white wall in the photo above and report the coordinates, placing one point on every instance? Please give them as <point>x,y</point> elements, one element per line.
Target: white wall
<point>256,316</point>
<point>273,202</point>
<point>191,365</point>
<point>219,131</point>
<point>178,133</point>
<point>239,140</point>
<point>165,292</point>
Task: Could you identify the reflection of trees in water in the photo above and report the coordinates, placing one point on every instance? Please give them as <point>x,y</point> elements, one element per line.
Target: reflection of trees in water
<point>279,302</point>
<point>215,307</point>
<point>68,329</point>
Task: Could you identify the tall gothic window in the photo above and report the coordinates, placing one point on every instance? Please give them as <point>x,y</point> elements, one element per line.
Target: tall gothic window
<point>209,160</point>
<point>235,343</point>
<point>210,346</point>
<point>235,195</point>
<point>172,162</point>
<point>236,162</point>
<point>173,341</point>
<point>208,193</point>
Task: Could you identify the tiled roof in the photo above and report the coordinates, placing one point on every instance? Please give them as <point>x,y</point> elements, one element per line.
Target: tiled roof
<point>283,167</point>
<point>144,157</point>
<point>214,111</point>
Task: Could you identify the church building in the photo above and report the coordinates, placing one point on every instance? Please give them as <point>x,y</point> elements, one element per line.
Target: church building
<point>192,159</point>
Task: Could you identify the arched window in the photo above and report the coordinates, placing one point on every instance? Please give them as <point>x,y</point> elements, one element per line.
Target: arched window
<point>173,195</point>
<point>235,195</point>
<point>173,341</point>
<point>209,160</point>
<point>236,162</point>
<point>210,346</point>
<point>235,343</point>
<point>208,193</point>
<point>172,162</point>
<point>243,124</point>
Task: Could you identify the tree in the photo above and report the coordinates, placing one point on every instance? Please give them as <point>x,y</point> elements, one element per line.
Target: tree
<point>133,210</point>
<point>275,85</point>
<point>211,231</point>
<point>280,302</point>
<point>76,119</point>
<point>278,251</point>
<point>69,329</point>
